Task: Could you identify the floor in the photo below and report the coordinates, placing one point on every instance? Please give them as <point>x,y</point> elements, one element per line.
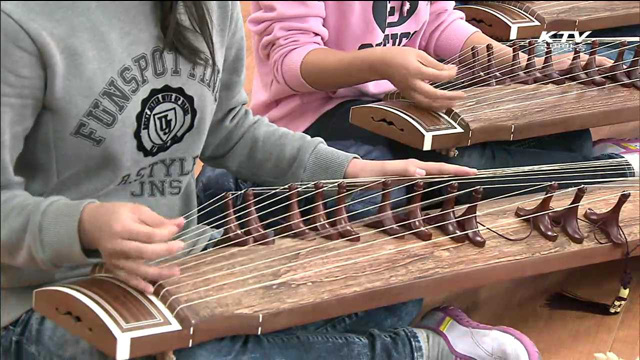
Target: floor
<point>561,335</point>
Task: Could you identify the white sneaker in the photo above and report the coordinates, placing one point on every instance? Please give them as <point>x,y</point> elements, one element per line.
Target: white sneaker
<point>469,340</point>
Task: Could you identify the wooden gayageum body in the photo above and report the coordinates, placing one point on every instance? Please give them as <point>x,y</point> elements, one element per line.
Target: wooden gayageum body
<point>509,20</point>
<point>260,289</point>
<point>510,102</point>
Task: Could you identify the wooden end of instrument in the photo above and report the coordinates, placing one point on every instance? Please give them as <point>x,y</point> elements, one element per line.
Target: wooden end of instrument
<point>111,316</point>
<point>409,124</point>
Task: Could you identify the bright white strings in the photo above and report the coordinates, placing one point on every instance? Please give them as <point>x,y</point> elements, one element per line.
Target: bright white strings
<point>376,181</point>
<point>481,173</point>
<point>539,100</point>
<point>488,89</point>
<point>546,11</point>
<point>491,94</point>
<point>227,212</point>
<point>362,258</point>
<point>469,179</point>
<point>623,167</point>
<point>498,68</point>
<point>400,210</point>
<point>257,216</point>
<point>461,82</point>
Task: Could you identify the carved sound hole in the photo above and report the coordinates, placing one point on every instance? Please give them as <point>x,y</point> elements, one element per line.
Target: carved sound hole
<point>388,123</point>
<point>475,22</point>
<point>76,319</point>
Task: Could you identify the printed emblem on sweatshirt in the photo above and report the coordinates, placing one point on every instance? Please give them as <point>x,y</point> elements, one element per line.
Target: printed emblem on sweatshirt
<point>388,16</point>
<point>122,89</point>
<point>165,117</point>
<point>382,16</point>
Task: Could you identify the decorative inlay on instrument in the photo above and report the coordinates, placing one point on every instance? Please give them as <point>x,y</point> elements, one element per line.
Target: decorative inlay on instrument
<point>321,264</point>
<point>510,20</point>
<point>513,102</point>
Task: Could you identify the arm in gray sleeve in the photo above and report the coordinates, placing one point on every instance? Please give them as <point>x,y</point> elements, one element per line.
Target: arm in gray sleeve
<point>250,146</point>
<point>37,232</point>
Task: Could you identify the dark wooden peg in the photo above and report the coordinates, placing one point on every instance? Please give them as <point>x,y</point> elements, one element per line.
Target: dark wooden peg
<point>445,220</point>
<point>567,219</point>
<point>514,71</point>
<point>574,70</point>
<point>547,72</point>
<point>609,222</point>
<point>341,220</point>
<point>384,219</point>
<point>319,222</point>
<point>468,222</point>
<point>490,69</point>
<point>531,69</point>
<point>633,73</point>
<point>478,78</point>
<point>539,215</point>
<point>413,218</point>
<point>294,227</point>
<point>232,233</point>
<point>590,68</point>
<point>253,227</point>
<point>616,71</point>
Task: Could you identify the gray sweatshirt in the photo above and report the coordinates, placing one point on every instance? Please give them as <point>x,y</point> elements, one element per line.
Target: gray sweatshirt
<point>94,110</point>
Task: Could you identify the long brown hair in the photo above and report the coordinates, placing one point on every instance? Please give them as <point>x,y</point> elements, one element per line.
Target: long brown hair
<point>176,34</point>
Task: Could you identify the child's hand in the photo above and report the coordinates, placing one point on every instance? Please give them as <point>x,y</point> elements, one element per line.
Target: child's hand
<point>365,168</point>
<point>410,70</point>
<point>127,235</point>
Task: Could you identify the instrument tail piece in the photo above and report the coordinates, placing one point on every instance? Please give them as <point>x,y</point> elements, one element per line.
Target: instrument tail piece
<point>567,219</point>
<point>541,222</point>
<point>609,222</point>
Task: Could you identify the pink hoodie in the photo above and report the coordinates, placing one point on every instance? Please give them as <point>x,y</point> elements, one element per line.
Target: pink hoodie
<point>285,31</point>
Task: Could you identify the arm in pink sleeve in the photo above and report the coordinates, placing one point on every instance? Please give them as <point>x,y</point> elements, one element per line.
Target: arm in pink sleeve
<point>285,31</point>
<point>446,31</point>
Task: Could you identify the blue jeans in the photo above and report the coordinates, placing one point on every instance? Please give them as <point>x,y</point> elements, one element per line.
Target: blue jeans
<point>334,127</point>
<point>382,333</point>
